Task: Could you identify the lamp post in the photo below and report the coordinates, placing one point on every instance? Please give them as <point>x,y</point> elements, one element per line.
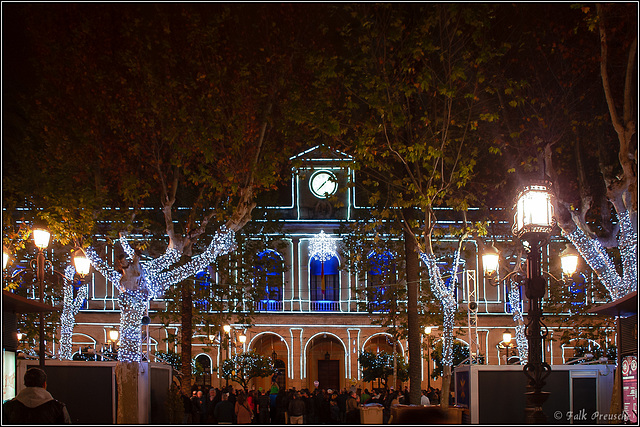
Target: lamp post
<point>41,240</point>
<point>533,222</point>
<point>506,342</point>
<point>427,331</point>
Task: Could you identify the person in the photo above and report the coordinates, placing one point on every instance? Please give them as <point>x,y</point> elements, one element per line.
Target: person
<point>296,409</point>
<point>211,402</point>
<point>243,412</point>
<point>202,407</point>
<point>195,406</point>
<point>424,400</point>
<point>352,415</point>
<point>263,404</point>
<point>365,396</point>
<point>224,411</point>
<point>334,410</point>
<point>34,404</point>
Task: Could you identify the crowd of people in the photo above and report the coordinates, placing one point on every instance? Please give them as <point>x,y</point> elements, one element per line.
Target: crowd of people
<point>275,406</point>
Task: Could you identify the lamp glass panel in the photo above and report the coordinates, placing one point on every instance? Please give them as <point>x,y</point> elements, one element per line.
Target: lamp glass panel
<point>534,208</point>
<point>506,337</point>
<point>569,264</point>
<point>113,335</point>
<point>5,260</point>
<point>41,238</point>
<point>490,262</point>
<point>82,265</point>
<point>227,328</point>
<point>427,330</point>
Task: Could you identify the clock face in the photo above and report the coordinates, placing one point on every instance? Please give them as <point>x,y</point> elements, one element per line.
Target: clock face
<point>323,184</point>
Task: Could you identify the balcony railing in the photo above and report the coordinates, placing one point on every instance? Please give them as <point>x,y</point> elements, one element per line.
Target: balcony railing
<point>269,305</point>
<point>325,305</point>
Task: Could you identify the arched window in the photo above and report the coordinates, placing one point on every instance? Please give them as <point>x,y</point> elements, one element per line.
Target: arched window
<point>270,269</point>
<point>202,364</point>
<point>325,282</point>
<point>202,290</point>
<point>381,274</point>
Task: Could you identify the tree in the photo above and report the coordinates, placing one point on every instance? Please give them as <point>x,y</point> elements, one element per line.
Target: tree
<point>408,103</point>
<point>243,367</point>
<point>70,307</point>
<point>159,98</point>
<point>559,102</point>
<point>380,366</point>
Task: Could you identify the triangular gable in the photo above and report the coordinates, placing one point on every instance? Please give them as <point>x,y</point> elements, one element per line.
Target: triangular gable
<point>320,153</point>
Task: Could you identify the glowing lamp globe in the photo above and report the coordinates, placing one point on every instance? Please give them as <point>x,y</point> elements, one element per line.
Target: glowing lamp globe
<point>242,339</point>
<point>569,260</point>
<point>41,238</point>
<point>533,211</point>
<point>490,261</point>
<point>5,260</point>
<point>82,265</point>
<point>227,328</point>
<point>506,337</point>
<point>113,335</point>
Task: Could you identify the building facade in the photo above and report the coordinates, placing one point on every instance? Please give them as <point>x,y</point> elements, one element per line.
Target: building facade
<point>315,317</point>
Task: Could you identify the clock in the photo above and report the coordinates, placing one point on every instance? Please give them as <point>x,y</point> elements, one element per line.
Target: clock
<point>323,184</point>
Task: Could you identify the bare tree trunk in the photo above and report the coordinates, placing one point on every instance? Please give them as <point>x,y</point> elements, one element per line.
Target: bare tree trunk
<point>185,334</point>
<point>413,278</point>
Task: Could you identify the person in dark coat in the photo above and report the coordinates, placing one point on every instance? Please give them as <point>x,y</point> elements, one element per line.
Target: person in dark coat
<point>262,407</point>
<point>34,404</point>
<point>224,411</point>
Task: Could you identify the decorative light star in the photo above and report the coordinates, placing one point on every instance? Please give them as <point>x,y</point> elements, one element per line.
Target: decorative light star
<point>322,247</point>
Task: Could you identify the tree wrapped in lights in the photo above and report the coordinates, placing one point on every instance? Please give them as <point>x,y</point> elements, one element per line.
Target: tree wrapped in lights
<point>243,367</point>
<point>70,307</point>
<point>138,283</point>
<point>515,301</point>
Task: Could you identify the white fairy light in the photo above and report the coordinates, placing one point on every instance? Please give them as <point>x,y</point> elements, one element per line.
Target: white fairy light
<point>156,277</point>
<point>521,339</point>
<point>596,256</point>
<point>446,296</point>
<point>628,244</point>
<point>322,247</point>
<point>70,308</point>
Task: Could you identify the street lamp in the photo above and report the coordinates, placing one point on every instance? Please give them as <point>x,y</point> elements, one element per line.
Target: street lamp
<point>506,342</point>
<point>569,260</point>
<point>41,239</point>
<point>533,222</point>
<point>427,331</point>
<point>490,262</point>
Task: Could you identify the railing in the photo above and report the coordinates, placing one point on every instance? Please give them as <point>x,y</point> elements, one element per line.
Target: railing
<point>325,305</point>
<point>269,305</point>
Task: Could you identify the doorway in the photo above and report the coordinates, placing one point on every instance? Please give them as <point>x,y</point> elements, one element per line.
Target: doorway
<point>329,374</point>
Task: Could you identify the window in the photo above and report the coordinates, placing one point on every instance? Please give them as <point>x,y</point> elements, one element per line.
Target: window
<point>202,290</point>
<point>324,284</point>
<point>513,297</point>
<point>270,269</point>
<point>381,274</point>
<point>577,289</point>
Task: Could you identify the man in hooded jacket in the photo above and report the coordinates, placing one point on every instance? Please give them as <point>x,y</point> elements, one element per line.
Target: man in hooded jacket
<point>34,404</point>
